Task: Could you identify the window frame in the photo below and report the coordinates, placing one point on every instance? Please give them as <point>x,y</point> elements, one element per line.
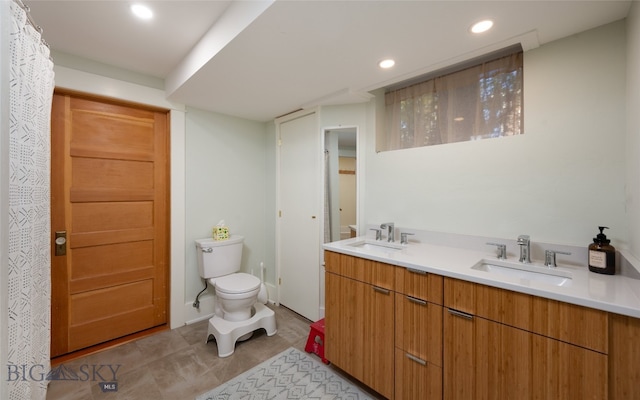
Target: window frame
<point>461,103</point>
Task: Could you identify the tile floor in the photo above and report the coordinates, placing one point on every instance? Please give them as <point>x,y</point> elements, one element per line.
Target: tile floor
<point>175,364</point>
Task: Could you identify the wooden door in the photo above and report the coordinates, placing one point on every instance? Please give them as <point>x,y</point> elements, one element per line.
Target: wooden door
<point>299,226</point>
<point>109,194</point>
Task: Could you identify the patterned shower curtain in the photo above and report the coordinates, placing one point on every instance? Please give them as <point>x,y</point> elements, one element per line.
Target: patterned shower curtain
<point>29,258</point>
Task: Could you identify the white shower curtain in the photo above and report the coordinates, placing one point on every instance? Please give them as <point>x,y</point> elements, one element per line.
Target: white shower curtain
<point>327,198</point>
<point>29,259</point>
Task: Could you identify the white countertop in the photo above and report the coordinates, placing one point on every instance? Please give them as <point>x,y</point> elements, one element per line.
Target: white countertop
<point>614,293</point>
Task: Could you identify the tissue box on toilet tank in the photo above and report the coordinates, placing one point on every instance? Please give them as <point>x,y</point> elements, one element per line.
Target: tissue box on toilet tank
<point>220,233</point>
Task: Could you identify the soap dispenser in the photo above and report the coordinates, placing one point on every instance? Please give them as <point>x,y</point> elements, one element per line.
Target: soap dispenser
<point>602,256</point>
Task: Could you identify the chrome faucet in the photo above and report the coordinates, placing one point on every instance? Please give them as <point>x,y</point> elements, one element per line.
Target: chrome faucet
<point>404,237</point>
<point>390,230</point>
<point>550,257</point>
<point>502,250</point>
<point>525,249</point>
<point>378,234</point>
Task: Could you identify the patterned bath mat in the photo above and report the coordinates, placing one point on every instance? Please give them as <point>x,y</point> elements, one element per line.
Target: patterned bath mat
<point>291,374</point>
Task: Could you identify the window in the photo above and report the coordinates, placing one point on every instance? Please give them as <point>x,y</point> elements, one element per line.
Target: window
<point>478,102</point>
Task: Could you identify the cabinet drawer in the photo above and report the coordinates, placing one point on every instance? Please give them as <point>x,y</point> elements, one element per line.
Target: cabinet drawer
<point>360,269</point>
<point>332,262</point>
<point>419,284</point>
<point>582,326</point>
<point>416,378</point>
<point>419,328</point>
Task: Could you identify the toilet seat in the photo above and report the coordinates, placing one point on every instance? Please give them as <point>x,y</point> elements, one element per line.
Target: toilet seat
<point>236,283</point>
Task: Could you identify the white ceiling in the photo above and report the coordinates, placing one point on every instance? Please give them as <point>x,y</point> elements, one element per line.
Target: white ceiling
<point>262,59</point>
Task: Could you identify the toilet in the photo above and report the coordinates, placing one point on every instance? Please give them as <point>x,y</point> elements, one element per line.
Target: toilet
<point>237,312</point>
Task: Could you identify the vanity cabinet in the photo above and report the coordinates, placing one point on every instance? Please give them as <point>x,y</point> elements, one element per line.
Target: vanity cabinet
<point>408,334</point>
<point>418,335</point>
<point>359,319</point>
<point>504,344</point>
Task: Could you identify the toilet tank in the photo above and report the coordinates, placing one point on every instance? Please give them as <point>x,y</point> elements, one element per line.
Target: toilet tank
<point>219,257</point>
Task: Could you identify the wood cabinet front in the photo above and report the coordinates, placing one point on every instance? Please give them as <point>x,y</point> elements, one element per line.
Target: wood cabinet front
<point>582,326</point>
<point>378,339</point>
<point>418,335</point>
<point>419,328</point>
<point>344,324</point>
<point>413,335</point>
<point>484,358</point>
<point>359,320</point>
<point>416,378</point>
<point>624,357</point>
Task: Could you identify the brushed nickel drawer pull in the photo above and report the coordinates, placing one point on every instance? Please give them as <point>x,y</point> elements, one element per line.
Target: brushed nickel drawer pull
<point>381,290</point>
<point>460,314</point>
<point>417,271</point>
<point>417,301</point>
<point>416,359</point>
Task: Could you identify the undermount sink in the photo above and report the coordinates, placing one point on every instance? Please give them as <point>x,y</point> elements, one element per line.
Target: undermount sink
<point>525,272</point>
<point>376,246</point>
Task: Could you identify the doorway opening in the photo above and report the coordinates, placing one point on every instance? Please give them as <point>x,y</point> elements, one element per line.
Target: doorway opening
<point>340,183</point>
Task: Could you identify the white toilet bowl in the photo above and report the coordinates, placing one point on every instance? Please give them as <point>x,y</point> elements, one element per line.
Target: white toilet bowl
<point>236,294</point>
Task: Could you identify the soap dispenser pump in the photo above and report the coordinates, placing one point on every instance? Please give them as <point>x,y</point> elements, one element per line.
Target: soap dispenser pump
<point>602,256</point>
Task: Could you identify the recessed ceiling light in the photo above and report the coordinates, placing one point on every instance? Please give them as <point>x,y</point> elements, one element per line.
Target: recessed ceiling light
<point>385,64</point>
<point>482,26</point>
<point>141,11</point>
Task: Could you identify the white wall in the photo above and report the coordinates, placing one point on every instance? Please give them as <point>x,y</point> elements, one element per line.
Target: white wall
<point>226,179</point>
<point>633,128</point>
<point>557,182</point>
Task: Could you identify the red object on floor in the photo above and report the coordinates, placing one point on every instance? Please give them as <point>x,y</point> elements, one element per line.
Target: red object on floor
<point>315,341</point>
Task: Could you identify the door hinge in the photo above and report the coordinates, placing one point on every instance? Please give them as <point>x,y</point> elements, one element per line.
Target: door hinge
<point>279,142</point>
<point>279,281</point>
<point>280,213</point>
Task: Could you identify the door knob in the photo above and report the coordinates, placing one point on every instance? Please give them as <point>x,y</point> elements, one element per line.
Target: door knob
<point>61,243</point>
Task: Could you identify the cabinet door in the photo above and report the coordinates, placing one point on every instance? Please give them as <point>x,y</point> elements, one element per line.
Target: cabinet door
<point>564,371</point>
<point>624,357</point>
<point>485,359</point>
<point>471,365</point>
<point>378,340</point>
<point>345,324</point>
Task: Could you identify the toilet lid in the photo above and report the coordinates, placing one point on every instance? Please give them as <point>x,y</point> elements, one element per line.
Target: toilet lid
<point>237,283</point>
